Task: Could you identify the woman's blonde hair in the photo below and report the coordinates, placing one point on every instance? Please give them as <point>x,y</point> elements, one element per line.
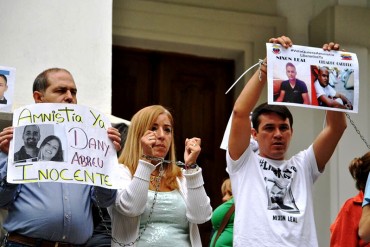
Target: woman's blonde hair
<point>142,121</point>
<point>226,187</point>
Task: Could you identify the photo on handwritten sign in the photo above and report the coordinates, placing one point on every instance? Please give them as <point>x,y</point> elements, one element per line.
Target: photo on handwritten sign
<point>39,142</point>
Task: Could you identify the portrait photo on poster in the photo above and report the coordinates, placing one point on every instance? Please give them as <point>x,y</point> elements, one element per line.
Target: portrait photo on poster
<point>7,79</point>
<point>313,78</point>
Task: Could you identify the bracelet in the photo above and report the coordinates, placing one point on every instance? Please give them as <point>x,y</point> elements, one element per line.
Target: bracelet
<point>191,169</point>
<point>262,62</point>
<point>193,166</point>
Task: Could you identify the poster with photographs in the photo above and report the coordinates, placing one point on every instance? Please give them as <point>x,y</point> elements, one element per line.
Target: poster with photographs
<point>7,79</point>
<point>64,143</point>
<point>311,77</point>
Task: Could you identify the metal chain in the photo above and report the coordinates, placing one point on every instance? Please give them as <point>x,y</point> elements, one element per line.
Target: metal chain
<point>157,185</point>
<point>162,160</point>
<point>357,130</point>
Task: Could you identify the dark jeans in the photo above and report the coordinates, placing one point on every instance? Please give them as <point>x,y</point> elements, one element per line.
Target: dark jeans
<point>101,235</point>
<point>12,244</point>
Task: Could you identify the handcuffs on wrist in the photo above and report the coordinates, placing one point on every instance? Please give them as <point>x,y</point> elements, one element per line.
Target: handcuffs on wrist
<point>189,168</point>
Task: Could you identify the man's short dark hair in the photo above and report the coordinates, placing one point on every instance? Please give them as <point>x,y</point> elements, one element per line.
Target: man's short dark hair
<point>41,82</point>
<point>25,127</point>
<point>3,76</point>
<point>289,65</point>
<point>280,110</point>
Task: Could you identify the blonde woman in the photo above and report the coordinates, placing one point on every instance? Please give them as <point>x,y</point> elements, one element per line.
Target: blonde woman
<point>160,203</point>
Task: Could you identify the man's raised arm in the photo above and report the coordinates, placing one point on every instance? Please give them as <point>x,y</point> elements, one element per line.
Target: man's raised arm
<point>327,140</point>
<point>240,131</point>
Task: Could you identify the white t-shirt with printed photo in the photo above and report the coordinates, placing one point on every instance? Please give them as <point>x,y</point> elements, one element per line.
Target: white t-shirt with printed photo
<point>273,200</point>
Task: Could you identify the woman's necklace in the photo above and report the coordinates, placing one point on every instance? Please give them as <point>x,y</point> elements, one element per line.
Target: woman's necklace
<point>153,180</point>
<point>157,181</point>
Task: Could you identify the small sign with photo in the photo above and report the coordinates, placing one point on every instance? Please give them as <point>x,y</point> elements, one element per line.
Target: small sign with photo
<point>7,79</point>
<point>311,77</point>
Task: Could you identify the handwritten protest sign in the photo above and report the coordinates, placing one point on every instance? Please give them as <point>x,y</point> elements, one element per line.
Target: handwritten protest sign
<point>7,79</point>
<point>314,78</point>
<point>64,143</point>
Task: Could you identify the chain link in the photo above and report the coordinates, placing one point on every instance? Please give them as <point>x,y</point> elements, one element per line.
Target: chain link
<point>162,160</point>
<point>357,130</point>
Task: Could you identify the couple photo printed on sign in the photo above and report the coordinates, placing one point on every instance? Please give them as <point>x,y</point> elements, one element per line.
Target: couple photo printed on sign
<point>39,142</point>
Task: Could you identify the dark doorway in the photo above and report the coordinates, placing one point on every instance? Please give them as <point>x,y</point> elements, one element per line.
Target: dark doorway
<point>193,88</point>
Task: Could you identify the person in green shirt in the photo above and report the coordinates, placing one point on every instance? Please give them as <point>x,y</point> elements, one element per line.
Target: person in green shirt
<point>226,236</point>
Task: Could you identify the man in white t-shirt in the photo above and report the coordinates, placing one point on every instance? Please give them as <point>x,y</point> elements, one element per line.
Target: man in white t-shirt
<point>273,196</point>
<point>326,94</point>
